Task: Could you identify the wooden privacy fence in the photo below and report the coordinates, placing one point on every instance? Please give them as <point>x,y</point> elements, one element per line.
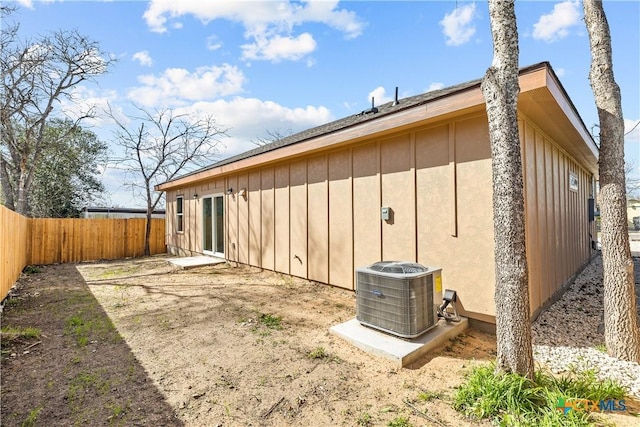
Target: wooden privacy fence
<point>74,240</point>
<point>14,254</point>
<point>25,241</point>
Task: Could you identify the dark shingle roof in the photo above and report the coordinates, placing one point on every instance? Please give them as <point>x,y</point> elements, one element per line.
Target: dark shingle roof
<point>362,117</point>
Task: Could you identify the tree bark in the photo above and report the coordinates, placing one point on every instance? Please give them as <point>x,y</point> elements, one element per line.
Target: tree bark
<point>620,311</point>
<point>500,89</point>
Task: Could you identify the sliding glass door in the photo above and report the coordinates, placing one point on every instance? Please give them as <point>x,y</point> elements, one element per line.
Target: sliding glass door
<point>213,225</point>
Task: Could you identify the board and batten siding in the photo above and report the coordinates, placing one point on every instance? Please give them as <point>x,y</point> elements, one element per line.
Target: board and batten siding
<point>190,240</point>
<point>318,216</point>
<point>558,230</point>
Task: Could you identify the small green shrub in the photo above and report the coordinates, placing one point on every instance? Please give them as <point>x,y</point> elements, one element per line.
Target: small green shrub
<point>510,399</point>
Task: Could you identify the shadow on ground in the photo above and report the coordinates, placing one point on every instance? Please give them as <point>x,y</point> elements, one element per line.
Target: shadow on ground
<point>62,370</point>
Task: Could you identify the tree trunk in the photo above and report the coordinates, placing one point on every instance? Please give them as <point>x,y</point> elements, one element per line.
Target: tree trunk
<point>5,185</point>
<point>620,311</point>
<point>500,89</point>
<point>147,231</point>
<point>147,235</point>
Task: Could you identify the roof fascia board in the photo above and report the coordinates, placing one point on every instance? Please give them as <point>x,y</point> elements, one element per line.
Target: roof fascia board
<point>460,102</point>
<point>569,110</point>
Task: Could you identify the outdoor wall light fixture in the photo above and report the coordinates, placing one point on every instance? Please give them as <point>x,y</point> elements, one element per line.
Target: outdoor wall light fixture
<point>243,192</point>
<point>230,191</point>
<point>195,195</point>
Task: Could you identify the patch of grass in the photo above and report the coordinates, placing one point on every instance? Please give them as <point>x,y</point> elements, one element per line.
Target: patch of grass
<point>13,332</point>
<point>364,420</point>
<point>119,271</point>
<point>271,321</point>
<point>601,347</point>
<point>85,325</point>
<point>399,422</point>
<point>510,399</point>
<point>32,417</point>
<point>12,302</point>
<point>318,353</point>
<point>83,382</point>
<point>428,396</point>
<point>117,411</point>
<point>77,327</point>
<point>32,269</point>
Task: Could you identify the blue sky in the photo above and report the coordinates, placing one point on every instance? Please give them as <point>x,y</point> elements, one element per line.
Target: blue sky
<point>284,66</point>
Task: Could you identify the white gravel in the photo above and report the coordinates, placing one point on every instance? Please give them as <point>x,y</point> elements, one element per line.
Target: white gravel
<point>566,335</point>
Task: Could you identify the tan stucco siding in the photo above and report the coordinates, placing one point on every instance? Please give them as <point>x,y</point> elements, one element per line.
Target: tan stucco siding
<point>318,216</point>
<point>231,221</point>
<point>558,230</point>
<point>255,224</point>
<point>298,218</point>
<point>242,238</point>
<point>318,219</point>
<point>190,240</point>
<point>341,219</point>
<point>367,245</point>
<point>282,239</point>
<point>397,158</point>
<point>267,220</point>
<point>326,209</point>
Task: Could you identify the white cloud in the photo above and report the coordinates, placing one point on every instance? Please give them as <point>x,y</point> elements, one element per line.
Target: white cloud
<point>175,86</point>
<point>213,43</point>
<point>555,25</point>
<point>250,118</point>
<point>380,96</point>
<point>435,86</point>
<point>26,3</point>
<point>633,135</point>
<point>84,100</point>
<point>560,72</point>
<point>458,26</point>
<point>277,48</point>
<point>269,25</point>
<point>143,58</point>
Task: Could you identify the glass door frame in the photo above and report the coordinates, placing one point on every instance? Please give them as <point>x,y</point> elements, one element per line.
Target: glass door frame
<point>214,229</point>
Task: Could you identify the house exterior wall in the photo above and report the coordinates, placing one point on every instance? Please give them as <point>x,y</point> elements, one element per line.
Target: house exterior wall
<point>318,216</point>
<point>189,241</point>
<point>633,211</point>
<point>558,230</point>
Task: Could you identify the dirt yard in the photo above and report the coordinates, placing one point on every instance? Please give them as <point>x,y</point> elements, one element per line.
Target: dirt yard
<point>139,342</point>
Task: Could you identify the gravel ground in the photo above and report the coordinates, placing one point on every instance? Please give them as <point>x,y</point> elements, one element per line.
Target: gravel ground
<point>566,335</point>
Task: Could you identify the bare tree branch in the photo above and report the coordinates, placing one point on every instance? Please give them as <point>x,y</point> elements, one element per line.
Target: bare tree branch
<point>160,144</point>
<point>36,76</point>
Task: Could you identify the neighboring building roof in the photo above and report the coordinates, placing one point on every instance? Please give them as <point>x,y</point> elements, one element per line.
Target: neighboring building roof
<point>368,115</point>
<point>121,210</point>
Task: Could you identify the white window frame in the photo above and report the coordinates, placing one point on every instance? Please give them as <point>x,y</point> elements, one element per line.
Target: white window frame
<point>180,214</point>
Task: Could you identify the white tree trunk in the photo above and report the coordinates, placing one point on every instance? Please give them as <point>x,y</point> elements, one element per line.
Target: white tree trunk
<point>500,89</point>
<point>620,311</point>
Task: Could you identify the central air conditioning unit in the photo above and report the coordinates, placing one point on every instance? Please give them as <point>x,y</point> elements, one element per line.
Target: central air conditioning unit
<point>400,298</point>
